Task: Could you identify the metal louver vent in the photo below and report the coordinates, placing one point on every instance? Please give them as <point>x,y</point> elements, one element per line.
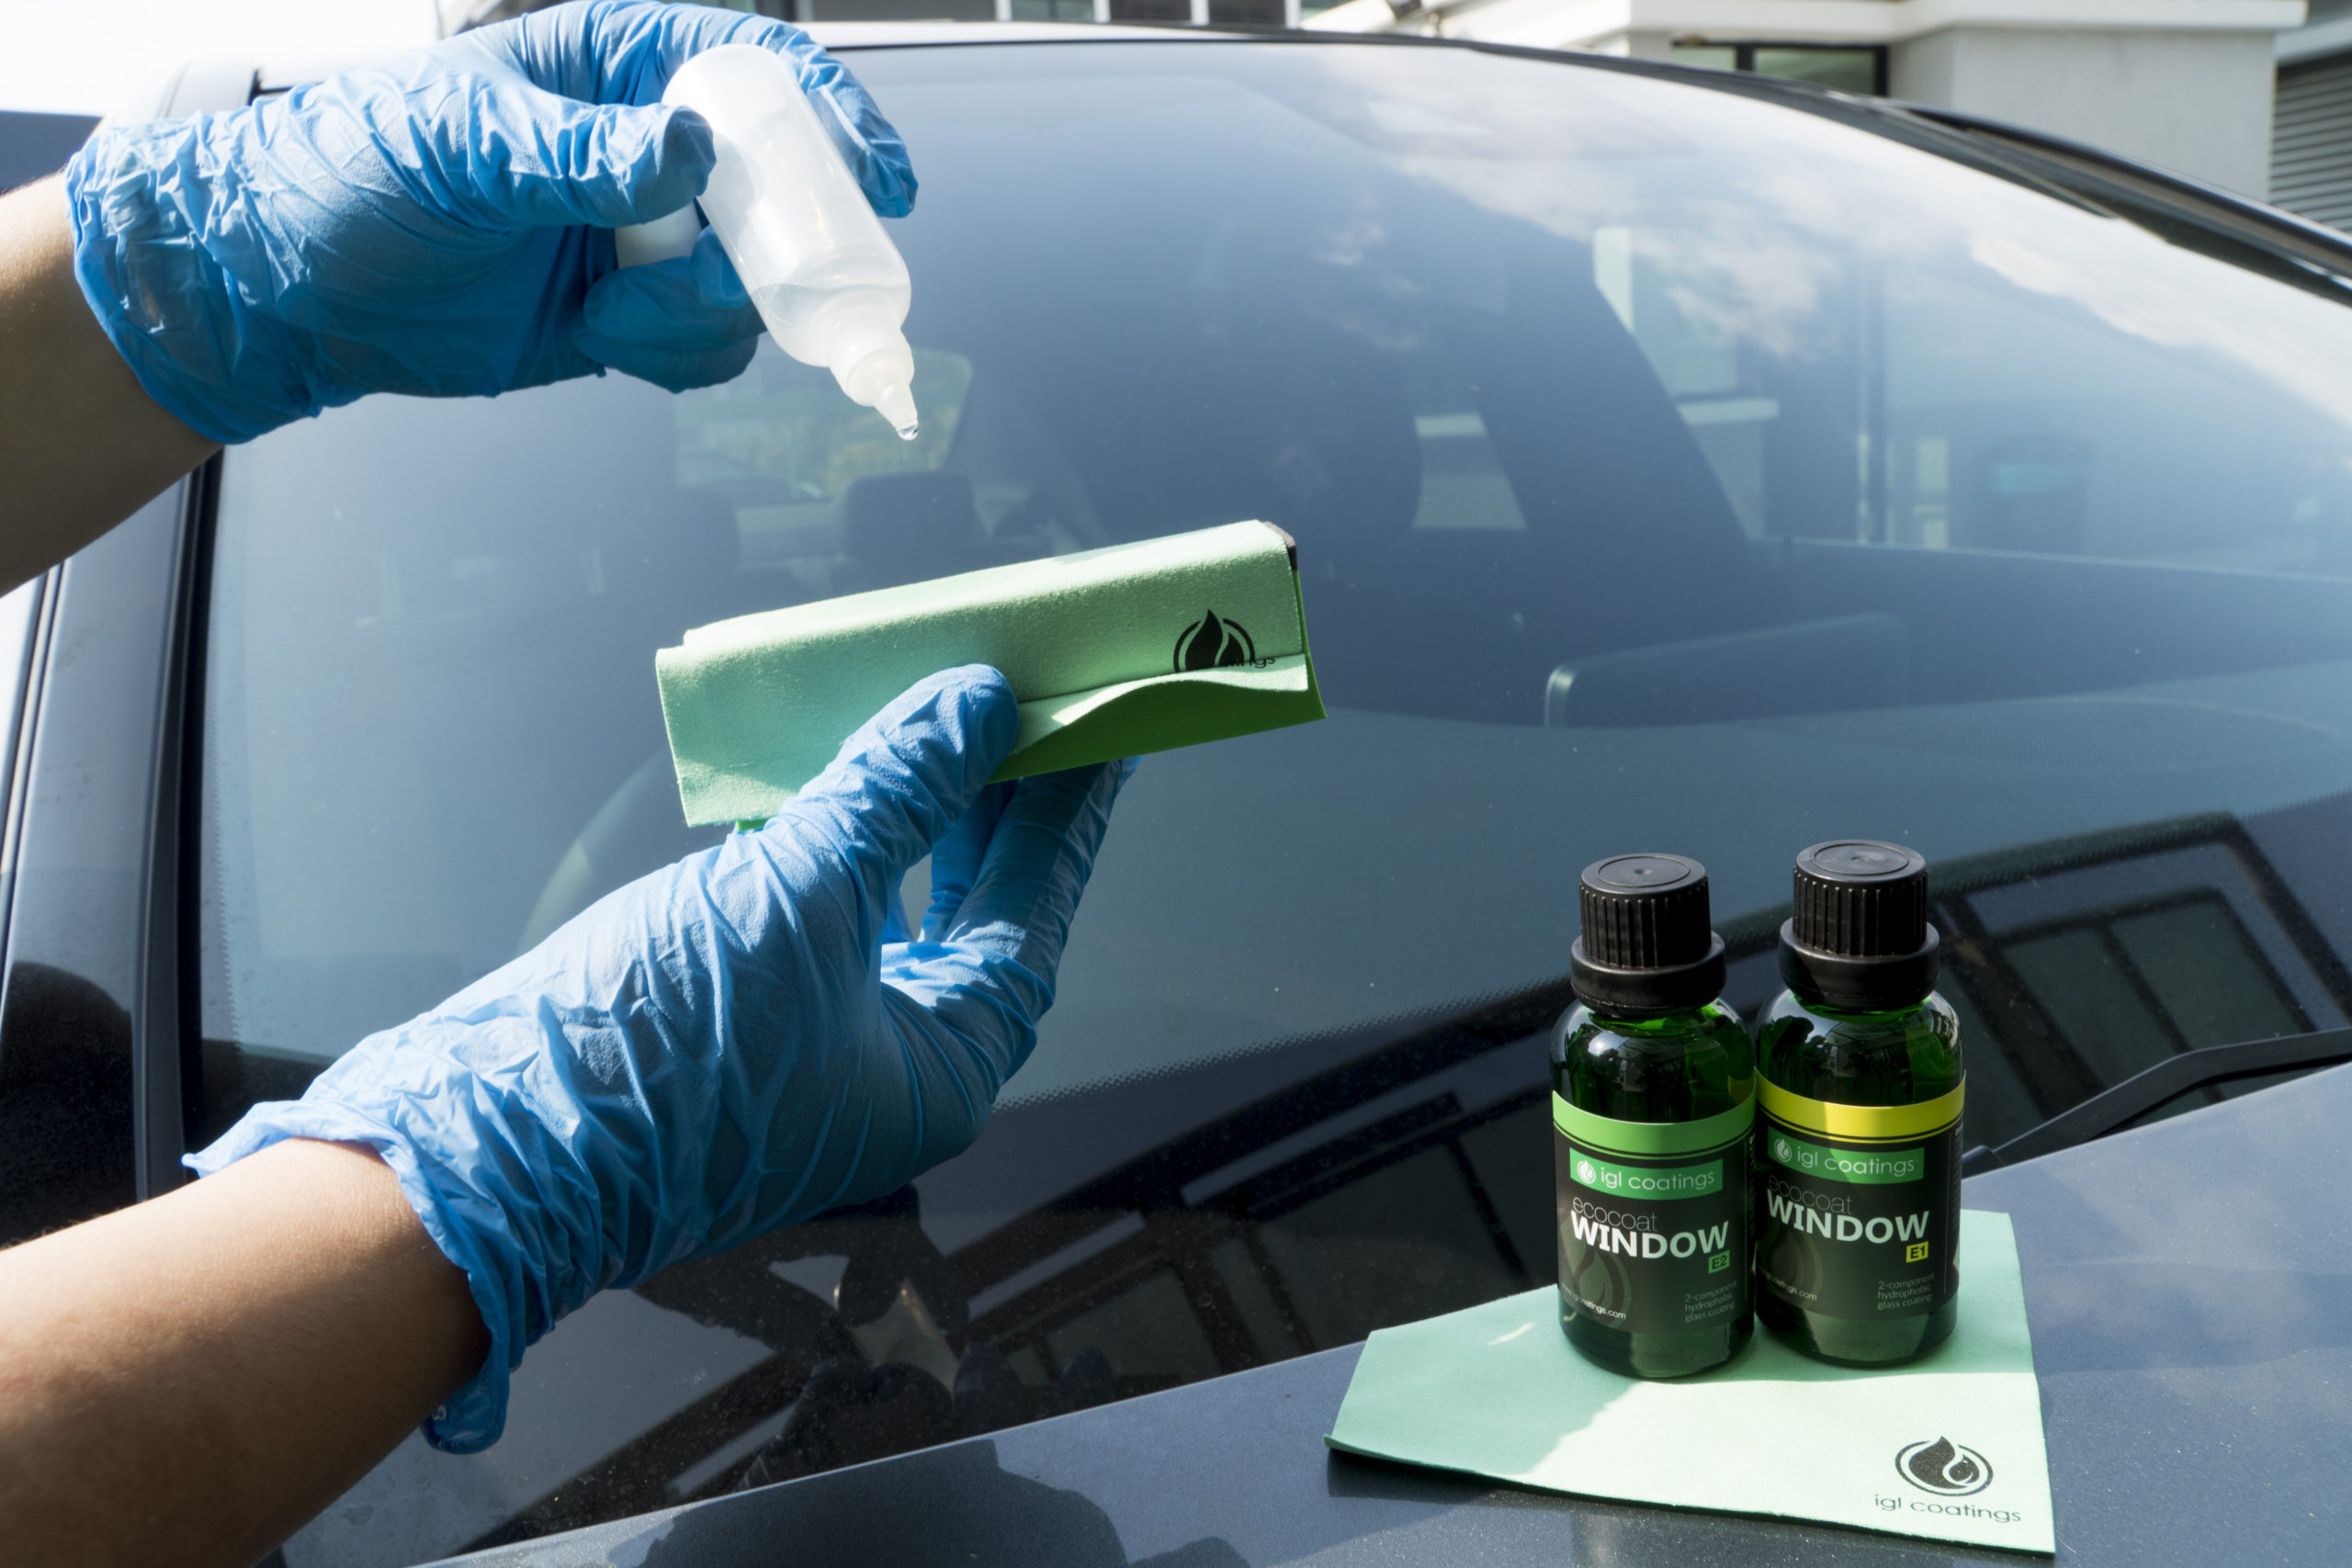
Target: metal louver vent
<point>2311,142</point>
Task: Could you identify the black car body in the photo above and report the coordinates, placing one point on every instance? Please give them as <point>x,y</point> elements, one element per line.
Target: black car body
<point>1677,462</point>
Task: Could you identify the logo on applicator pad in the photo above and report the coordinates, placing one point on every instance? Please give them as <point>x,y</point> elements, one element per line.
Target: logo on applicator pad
<point>1212,644</point>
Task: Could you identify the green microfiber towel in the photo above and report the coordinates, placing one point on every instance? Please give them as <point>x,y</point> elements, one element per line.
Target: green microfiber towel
<point>1947,1446</point>
<point>1112,652</point>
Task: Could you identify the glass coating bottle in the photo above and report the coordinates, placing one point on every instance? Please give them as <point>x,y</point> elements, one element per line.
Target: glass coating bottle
<point>1653,1107</point>
<point>1860,1088</point>
<point>829,284</point>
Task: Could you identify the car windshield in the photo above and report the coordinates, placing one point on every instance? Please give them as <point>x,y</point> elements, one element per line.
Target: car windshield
<point>1671,468</point>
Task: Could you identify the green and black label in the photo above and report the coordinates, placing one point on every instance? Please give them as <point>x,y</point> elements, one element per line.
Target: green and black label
<point>1857,1206</point>
<point>1654,1218</point>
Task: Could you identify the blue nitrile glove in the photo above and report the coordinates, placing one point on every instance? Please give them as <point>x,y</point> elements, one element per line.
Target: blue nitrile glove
<point>440,225</point>
<point>728,1046</point>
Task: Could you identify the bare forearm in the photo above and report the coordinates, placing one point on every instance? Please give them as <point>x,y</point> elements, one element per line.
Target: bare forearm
<point>82,445</point>
<point>188,1380</point>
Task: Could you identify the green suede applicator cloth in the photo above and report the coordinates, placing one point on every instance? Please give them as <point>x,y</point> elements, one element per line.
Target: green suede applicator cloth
<point>1948,1447</point>
<point>1112,652</point>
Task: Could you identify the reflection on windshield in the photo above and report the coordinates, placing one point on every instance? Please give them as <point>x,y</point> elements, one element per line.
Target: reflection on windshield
<point>1816,211</point>
<point>1669,469</point>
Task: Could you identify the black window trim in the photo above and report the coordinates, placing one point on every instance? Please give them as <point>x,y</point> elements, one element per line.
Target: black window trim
<point>163,1022</point>
<point>170,1013</point>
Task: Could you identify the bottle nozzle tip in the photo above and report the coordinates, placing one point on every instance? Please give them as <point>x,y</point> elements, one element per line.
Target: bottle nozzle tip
<point>896,404</point>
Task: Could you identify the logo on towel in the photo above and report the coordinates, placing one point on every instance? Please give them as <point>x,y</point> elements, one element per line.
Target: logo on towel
<point>1944,1468</point>
<point>1210,643</point>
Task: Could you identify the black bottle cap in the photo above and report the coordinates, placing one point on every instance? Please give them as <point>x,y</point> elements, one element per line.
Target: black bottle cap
<point>1648,946</point>
<point>1860,936</point>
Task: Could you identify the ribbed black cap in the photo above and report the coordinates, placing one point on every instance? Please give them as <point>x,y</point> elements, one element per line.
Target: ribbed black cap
<point>1860,936</point>
<point>1649,944</point>
<point>1859,899</point>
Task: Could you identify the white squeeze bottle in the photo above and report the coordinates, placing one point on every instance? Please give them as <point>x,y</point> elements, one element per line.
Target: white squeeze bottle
<point>827,280</point>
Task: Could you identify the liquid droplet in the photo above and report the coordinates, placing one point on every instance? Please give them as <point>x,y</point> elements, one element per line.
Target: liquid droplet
<point>909,432</point>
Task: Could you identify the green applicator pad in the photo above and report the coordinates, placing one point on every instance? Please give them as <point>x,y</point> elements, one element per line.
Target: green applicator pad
<point>1947,1446</point>
<point>1112,652</point>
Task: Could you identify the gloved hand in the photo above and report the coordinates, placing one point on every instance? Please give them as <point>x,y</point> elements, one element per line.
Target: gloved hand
<point>728,1046</point>
<point>440,225</point>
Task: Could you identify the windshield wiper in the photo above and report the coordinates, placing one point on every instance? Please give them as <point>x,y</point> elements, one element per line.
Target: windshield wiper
<point>2112,1109</point>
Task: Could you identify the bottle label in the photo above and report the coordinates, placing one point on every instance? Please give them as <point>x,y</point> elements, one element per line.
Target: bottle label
<point>1654,1218</point>
<point>1856,1206</point>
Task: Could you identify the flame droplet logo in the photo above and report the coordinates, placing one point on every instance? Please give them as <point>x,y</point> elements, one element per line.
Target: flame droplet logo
<point>1944,1468</point>
<point>1211,643</point>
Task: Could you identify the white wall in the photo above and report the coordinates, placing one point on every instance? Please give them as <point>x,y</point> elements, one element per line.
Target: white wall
<point>2196,103</point>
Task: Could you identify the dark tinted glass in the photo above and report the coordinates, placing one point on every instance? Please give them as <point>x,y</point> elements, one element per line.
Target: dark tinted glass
<point>1670,469</point>
<point>1856,71</point>
<point>1845,70</point>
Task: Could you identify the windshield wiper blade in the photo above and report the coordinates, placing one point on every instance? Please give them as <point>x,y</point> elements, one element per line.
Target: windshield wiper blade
<point>2136,1095</point>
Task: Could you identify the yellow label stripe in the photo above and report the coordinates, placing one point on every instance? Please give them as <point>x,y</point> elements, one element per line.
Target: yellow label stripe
<point>1874,1124</point>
